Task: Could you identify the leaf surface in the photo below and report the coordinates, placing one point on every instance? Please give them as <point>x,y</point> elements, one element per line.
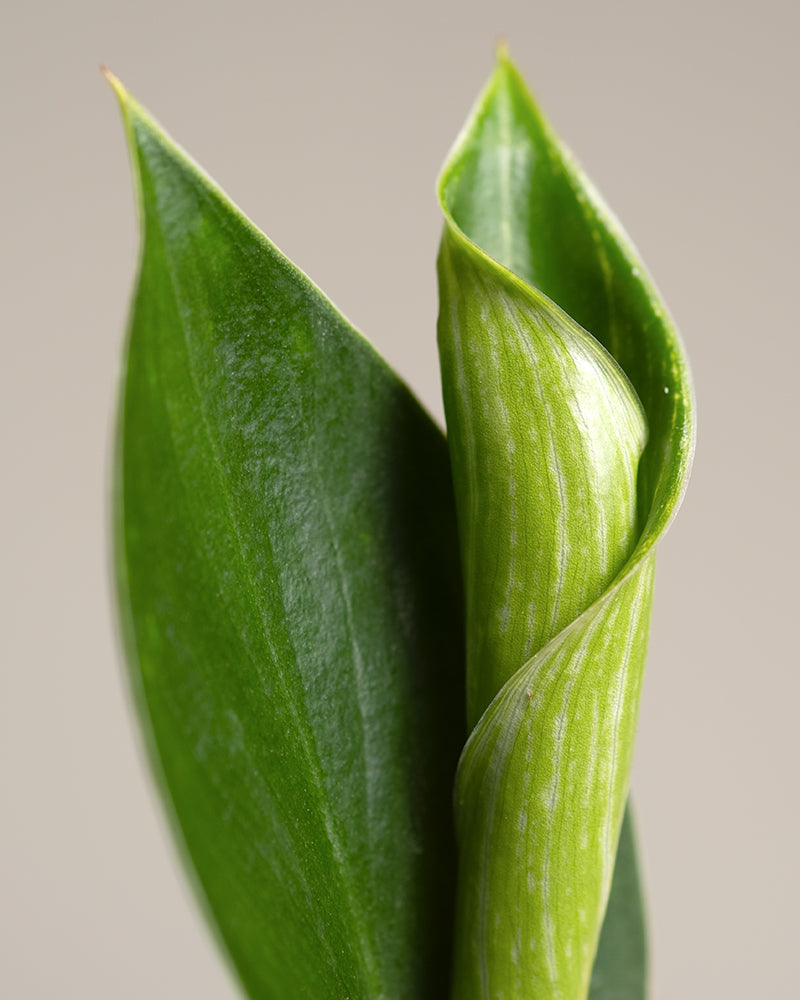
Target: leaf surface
<point>290,601</point>
<point>620,967</point>
<point>570,426</point>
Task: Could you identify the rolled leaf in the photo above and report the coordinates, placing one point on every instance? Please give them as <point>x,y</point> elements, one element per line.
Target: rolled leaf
<point>570,427</point>
<point>291,606</point>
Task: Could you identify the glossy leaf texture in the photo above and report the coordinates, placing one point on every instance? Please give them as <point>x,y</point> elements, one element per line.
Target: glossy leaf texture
<point>569,416</point>
<point>291,604</point>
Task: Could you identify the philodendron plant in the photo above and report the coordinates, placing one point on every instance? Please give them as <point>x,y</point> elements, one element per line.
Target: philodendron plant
<point>389,681</point>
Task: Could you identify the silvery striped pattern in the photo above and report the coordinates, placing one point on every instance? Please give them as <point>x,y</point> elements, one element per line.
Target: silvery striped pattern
<point>565,477</point>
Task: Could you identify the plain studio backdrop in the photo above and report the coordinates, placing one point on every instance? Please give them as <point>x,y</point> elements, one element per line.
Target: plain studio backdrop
<point>327,123</point>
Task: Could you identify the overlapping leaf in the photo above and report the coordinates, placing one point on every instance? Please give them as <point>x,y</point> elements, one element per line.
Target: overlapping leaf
<point>620,966</point>
<point>569,421</point>
<point>289,592</point>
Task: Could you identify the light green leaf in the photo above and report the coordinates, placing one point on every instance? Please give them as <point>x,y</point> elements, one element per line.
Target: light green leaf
<point>569,421</point>
<point>291,604</point>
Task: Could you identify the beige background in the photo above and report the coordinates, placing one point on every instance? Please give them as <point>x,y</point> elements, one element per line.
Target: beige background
<point>327,123</point>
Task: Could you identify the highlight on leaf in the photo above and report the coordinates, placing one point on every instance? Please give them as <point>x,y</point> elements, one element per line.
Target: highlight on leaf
<point>570,429</point>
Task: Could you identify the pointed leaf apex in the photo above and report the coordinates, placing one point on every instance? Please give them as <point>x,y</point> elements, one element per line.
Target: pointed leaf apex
<point>116,84</point>
<point>501,50</point>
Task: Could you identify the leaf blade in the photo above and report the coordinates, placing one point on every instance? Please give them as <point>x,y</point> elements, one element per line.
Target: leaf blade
<point>521,216</point>
<point>285,521</point>
<point>620,967</point>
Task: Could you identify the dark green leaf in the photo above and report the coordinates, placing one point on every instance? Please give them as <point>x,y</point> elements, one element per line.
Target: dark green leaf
<point>620,968</point>
<point>290,601</point>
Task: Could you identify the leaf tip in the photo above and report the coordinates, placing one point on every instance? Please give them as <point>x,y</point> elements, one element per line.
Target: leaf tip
<point>116,85</point>
<point>501,50</point>
<point>506,68</point>
<point>505,71</point>
<point>129,106</point>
